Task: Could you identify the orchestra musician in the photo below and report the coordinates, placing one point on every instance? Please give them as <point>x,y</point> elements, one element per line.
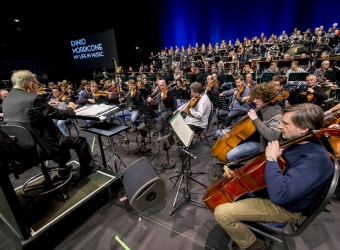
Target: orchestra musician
<point>317,91</point>
<point>198,115</point>
<point>25,108</point>
<point>60,101</point>
<point>294,69</point>
<point>279,82</point>
<point>289,192</point>
<point>212,87</point>
<point>249,80</point>
<point>133,100</point>
<point>163,101</point>
<point>88,98</point>
<point>114,91</point>
<point>266,122</point>
<point>240,107</point>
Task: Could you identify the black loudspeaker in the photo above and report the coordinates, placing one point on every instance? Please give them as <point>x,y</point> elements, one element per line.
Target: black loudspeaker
<point>168,139</point>
<point>144,188</point>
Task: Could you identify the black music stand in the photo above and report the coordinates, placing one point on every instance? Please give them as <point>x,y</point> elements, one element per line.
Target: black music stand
<point>330,75</point>
<point>284,64</point>
<point>295,97</point>
<point>266,77</point>
<point>220,103</point>
<point>185,174</point>
<point>108,130</point>
<point>298,76</point>
<point>149,114</point>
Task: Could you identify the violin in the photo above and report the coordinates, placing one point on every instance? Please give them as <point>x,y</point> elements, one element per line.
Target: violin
<point>250,177</point>
<point>192,103</point>
<point>239,92</point>
<point>240,131</point>
<point>102,94</point>
<point>165,93</point>
<point>331,119</point>
<point>64,95</point>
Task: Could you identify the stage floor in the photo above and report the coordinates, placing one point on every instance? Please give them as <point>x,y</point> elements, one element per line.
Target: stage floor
<point>190,227</point>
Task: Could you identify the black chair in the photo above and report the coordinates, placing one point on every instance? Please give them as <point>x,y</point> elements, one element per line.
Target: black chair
<point>318,204</point>
<point>72,125</point>
<point>29,155</point>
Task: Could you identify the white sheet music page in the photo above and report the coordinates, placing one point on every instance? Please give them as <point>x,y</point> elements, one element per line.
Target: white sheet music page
<point>182,129</point>
<point>93,110</point>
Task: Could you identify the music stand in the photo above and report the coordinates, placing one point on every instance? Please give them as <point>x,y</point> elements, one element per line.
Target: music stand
<point>298,76</point>
<point>266,77</point>
<point>330,75</point>
<point>185,174</point>
<point>220,103</point>
<point>149,114</point>
<point>318,62</point>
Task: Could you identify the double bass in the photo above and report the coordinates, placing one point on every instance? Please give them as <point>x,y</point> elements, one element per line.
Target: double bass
<point>250,177</point>
<point>239,131</point>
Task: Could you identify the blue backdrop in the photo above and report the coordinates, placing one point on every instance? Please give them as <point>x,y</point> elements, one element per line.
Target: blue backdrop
<point>186,22</point>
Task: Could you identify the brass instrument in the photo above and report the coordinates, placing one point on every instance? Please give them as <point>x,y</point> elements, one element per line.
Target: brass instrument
<point>119,70</point>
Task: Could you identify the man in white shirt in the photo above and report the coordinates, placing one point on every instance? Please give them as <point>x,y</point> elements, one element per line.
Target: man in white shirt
<point>198,116</point>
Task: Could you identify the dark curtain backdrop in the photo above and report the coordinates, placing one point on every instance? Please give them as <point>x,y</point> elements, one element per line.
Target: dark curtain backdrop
<point>186,22</point>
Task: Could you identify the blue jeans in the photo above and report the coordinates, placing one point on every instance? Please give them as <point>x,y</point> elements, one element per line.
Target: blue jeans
<point>89,122</point>
<point>134,117</point>
<point>62,125</point>
<point>243,150</point>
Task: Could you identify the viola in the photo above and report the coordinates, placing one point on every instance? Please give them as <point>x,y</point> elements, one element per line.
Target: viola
<point>250,177</point>
<point>240,131</point>
<point>165,94</point>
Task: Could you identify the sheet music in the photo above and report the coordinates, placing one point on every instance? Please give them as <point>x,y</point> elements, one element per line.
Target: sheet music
<point>182,129</point>
<point>93,110</point>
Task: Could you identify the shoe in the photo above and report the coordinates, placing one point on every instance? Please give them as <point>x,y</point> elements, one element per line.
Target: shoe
<point>89,170</point>
<point>257,245</point>
<point>84,126</point>
<point>65,171</point>
<point>133,130</point>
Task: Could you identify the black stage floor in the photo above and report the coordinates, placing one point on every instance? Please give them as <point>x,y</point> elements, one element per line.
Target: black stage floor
<point>191,227</point>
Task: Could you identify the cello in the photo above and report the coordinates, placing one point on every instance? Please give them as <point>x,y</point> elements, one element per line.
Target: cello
<point>239,131</point>
<point>250,177</point>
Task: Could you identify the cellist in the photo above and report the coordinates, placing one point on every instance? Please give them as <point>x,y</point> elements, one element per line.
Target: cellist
<point>266,122</point>
<point>290,192</point>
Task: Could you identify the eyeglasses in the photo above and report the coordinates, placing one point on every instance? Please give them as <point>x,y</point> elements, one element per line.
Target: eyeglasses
<point>38,83</point>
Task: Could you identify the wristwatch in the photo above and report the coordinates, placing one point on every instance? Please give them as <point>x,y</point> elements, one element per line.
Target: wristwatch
<point>271,158</point>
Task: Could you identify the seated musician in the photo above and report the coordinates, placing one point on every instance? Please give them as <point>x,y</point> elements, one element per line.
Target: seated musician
<point>25,108</point>
<point>198,116</point>
<point>320,45</point>
<point>133,100</point>
<point>317,91</point>
<point>289,192</point>
<point>114,86</point>
<point>162,100</point>
<point>266,122</point>
<point>272,68</point>
<point>88,98</point>
<point>246,69</point>
<point>60,101</point>
<point>320,74</point>
<point>240,106</point>
<point>294,69</point>
<point>279,83</point>
<point>215,88</point>
<point>249,80</point>
<point>50,85</point>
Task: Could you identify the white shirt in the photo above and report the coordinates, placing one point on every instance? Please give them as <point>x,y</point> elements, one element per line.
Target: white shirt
<point>200,113</point>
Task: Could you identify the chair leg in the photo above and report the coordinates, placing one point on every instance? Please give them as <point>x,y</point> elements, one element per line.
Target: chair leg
<point>206,138</point>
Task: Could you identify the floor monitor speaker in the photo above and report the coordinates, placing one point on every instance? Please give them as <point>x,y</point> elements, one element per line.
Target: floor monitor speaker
<point>144,188</point>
